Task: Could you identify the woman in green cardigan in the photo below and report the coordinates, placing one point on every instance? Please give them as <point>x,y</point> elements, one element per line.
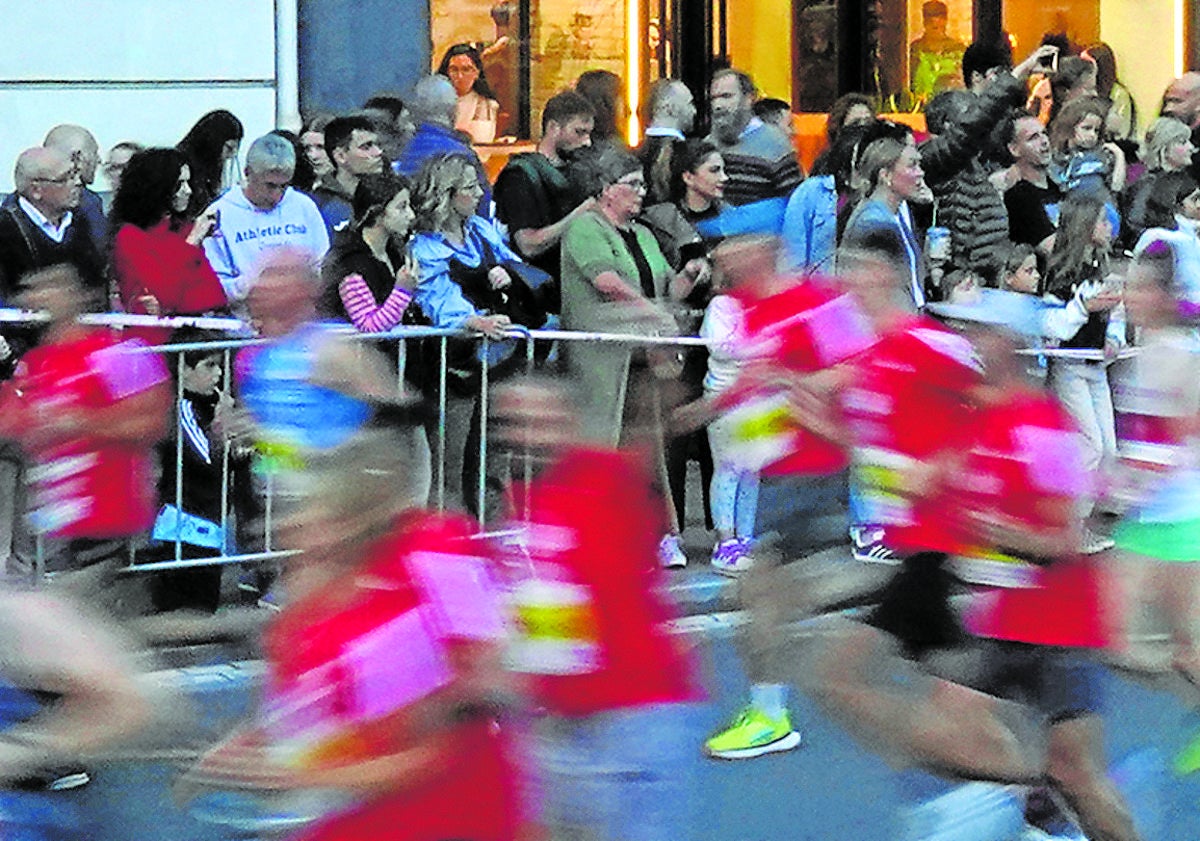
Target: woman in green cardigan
<point>616,280</point>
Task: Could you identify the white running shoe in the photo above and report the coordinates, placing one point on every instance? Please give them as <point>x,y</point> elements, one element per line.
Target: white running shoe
<point>670,552</point>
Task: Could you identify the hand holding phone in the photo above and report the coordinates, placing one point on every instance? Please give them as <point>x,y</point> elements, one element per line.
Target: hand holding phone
<point>1048,58</point>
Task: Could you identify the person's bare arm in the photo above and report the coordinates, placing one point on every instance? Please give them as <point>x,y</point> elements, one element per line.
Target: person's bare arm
<point>1046,246</point>
<point>534,241</point>
<point>356,369</point>
<point>614,287</point>
<point>1120,168</point>
<point>53,646</point>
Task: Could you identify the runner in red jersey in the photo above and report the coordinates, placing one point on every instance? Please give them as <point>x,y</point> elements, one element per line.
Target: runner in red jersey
<point>795,327</point>
<point>617,686</point>
<point>907,407</point>
<point>856,670</point>
<point>384,667</point>
<point>88,409</point>
<point>1039,603</point>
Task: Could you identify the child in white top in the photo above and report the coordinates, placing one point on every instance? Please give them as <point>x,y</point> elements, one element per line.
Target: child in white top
<point>734,489</point>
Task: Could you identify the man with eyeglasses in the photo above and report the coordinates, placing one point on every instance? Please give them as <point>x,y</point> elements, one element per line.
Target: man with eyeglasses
<point>38,229</point>
<point>40,225</point>
<point>78,144</point>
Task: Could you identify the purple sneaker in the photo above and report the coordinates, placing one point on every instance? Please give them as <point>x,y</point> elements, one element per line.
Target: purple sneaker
<point>732,557</point>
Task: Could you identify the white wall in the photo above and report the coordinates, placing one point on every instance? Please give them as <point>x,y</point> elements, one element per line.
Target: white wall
<point>1143,34</point>
<point>140,70</point>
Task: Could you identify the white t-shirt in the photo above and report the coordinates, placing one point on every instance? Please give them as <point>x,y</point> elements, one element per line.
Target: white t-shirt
<point>724,326</point>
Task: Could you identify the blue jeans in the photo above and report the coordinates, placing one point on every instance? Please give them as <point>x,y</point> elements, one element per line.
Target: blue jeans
<point>807,512</point>
<point>623,775</point>
<point>734,492</point>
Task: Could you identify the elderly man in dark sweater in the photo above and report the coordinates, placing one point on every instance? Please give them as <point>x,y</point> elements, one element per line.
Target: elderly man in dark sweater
<point>39,226</point>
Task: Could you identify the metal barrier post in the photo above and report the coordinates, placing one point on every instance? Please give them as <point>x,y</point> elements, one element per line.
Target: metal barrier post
<point>179,457</point>
<point>267,506</point>
<point>226,376</point>
<point>441,430</point>
<point>39,560</point>
<point>481,489</point>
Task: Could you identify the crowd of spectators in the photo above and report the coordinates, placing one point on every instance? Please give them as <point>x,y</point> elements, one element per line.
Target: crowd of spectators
<point>586,233</point>
<point>1026,186</point>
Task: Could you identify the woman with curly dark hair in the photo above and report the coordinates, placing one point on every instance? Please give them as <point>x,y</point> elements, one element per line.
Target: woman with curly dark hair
<point>211,147</point>
<point>158,260</point>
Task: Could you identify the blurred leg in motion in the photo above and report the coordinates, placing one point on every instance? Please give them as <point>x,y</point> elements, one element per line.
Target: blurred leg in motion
<point>1075,768</point>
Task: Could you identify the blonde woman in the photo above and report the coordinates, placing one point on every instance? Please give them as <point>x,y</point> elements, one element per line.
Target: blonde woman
<point>1167,148</point>
<point>468,280</point>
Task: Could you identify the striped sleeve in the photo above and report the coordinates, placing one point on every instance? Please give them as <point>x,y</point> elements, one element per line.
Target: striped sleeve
<point>364,312</point>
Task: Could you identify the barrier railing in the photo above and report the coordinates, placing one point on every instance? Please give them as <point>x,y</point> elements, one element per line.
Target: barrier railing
<point>239,339</point>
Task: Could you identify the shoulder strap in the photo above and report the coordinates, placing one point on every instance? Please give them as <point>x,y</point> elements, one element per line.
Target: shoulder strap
<point>487,254</point>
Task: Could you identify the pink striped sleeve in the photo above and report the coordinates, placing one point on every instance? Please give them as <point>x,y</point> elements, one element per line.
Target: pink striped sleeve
<point>364,313</point>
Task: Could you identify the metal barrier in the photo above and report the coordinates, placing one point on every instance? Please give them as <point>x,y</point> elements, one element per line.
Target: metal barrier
<point>240,339</point>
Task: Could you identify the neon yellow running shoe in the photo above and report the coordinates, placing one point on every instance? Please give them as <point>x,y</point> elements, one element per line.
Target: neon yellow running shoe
<point>753,733</point>
<point>1187,761</point>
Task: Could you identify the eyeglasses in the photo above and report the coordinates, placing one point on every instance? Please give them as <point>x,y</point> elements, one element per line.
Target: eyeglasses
<point>65,178</point>
<point>635,183</point>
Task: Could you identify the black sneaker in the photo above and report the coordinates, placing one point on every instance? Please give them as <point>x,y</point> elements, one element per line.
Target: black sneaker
<point>867,545</point>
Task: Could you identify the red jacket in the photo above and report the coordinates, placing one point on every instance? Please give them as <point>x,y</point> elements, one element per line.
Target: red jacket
<point>161,262</point>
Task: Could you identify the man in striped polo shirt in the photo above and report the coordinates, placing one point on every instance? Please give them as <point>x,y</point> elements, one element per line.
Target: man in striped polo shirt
<point>759,158</point>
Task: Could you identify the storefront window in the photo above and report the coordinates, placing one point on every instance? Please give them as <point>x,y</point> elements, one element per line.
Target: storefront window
<point>1027,21</point>
<point>939,31</point>
<point>493,28</point>
<point>566,38</point>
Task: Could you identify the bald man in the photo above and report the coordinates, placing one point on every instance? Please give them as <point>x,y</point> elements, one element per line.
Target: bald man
<point>39,226</point>
<point>78,144</point>
<point>672,114</point>
<point>1182,101</point>
<point>433,106</point>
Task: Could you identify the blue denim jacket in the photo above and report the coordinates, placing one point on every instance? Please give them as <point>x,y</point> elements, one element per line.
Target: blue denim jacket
<point>810,226</point>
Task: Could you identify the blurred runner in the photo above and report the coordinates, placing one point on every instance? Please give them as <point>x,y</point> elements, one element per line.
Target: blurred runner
<point>1040,604</point>
<point>88,409</point>
<point>614,746</point>
<point>908,414</point>
<point>794,327</point>
<point>307,388</point>
<point>1156,396</point>
<point>384,676</point>
<point>67,693</point>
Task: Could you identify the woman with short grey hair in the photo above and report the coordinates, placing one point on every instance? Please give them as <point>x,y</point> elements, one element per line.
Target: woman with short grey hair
<point>616,280</point>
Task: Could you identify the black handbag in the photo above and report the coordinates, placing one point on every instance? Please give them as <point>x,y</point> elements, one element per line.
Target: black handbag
<point>519,301</point>
<point>464,358</point>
